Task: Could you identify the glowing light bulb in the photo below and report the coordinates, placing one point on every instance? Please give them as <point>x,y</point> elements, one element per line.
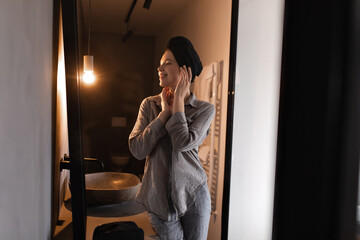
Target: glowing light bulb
<point>89,77</point>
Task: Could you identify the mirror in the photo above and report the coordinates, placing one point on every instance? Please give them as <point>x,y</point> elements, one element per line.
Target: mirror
<point>125,59</point>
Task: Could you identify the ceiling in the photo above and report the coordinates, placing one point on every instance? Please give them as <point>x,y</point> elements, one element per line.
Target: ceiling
<point>109,15</point>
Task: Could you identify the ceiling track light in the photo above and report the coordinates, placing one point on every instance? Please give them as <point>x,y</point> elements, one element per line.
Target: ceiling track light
<point>128,33</point>
<point>147,4</point>
<point>130,11</point>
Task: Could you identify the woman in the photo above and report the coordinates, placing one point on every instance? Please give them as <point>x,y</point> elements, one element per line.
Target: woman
<point>169,129</point>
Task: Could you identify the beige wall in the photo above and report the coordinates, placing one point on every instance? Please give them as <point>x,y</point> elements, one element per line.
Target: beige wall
<point>25,119</point>
<point>62,141</point>
<point>207,24</point>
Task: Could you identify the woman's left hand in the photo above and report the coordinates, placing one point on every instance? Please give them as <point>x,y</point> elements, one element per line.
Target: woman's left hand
<point>182,90</point>
<point>183,85</point>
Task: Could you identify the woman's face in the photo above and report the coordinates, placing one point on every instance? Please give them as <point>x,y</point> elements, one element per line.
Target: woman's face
<point>169,70</point>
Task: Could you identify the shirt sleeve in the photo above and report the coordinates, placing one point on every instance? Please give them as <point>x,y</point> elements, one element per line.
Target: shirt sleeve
<point>146,133</point>
<point>184,136</point>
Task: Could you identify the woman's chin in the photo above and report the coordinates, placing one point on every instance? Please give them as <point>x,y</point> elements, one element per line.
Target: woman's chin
<point>163,84</point>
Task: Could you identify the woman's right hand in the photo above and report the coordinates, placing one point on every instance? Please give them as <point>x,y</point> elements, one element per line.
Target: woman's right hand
<point>165,106</point>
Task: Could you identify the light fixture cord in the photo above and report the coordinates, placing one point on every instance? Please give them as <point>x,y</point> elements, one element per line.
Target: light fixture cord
<point>89,27</point>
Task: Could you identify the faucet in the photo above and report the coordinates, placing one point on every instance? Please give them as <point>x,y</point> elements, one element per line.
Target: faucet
<point>65,162</point>
<point>95,160</point>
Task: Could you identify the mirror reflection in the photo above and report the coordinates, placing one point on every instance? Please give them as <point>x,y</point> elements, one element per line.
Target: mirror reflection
<point>127,43</point>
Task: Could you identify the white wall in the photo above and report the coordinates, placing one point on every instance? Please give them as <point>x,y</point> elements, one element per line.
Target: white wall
<point>258,67</point>
<point>207,24</point>
<point>25,118</point>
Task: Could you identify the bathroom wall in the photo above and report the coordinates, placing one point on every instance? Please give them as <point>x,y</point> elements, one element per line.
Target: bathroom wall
<point>207,24</point>
<point>258,66</point>
<point>26,105</point>
<point>124,77</point>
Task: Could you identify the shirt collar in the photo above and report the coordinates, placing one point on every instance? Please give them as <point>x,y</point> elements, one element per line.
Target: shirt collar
<point>192,100</point>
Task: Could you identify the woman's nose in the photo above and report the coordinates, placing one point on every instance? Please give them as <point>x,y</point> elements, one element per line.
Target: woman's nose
<point>160,68</point>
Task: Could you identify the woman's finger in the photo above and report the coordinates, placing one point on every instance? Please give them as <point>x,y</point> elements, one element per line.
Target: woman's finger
<point>189,73</point>
<point>183,75</point>
<point>183,72</point>
<point>163,95</point>
<point>187,77</point>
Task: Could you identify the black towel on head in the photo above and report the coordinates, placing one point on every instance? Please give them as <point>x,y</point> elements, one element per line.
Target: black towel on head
<point>185,54</point>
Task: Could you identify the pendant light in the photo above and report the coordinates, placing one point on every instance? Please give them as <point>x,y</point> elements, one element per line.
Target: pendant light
<point>88,59</point>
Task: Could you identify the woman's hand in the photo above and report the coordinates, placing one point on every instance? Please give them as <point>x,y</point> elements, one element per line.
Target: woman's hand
<point>166,105</point>
<point>182,90</point>
<point>183,87</point>
<point>169,96</point>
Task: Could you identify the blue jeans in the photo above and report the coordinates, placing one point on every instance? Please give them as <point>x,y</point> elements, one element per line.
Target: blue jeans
<point>193,225</point>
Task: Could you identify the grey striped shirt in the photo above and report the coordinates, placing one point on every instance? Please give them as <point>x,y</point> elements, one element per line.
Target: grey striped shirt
<point>172,167</point>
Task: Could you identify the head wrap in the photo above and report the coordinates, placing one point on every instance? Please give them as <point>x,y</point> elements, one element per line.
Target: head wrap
<point>185,54</point>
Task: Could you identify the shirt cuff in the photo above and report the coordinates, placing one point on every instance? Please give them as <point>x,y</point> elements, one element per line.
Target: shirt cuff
<point>178,117</point>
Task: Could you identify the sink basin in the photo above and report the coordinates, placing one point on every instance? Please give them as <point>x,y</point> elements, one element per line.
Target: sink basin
<point>104,188</point>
